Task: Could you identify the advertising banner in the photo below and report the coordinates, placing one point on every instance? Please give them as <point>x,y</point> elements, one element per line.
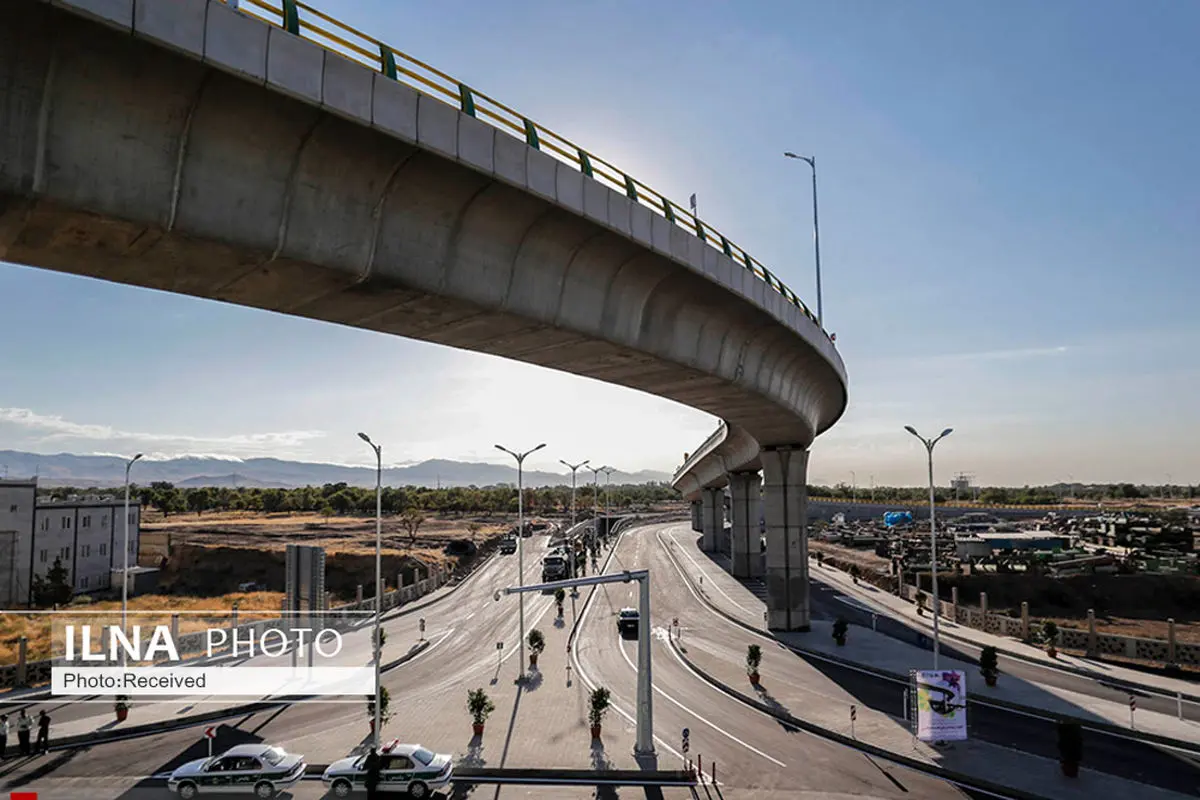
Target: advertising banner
<point>941,705</point>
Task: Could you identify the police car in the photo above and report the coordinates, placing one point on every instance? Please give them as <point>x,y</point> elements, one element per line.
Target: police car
<point>258,768</point>
<point>402,768</point>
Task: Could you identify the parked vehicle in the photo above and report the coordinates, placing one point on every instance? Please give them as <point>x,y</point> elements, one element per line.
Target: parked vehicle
<point>259,768</point>
<point>403,768</point>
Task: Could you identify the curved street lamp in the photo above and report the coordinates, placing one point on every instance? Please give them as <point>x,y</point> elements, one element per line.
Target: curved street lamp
<point>520,457</point>
<point>929,444</point>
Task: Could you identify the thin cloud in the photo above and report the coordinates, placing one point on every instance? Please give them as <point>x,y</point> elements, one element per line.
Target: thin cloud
<point>55,428</point>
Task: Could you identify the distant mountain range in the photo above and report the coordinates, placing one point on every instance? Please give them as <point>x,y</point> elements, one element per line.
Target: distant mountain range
<point>66,469</point>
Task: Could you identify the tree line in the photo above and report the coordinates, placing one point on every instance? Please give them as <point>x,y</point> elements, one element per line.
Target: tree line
<point>1002,495</point>
<point>342,498</point>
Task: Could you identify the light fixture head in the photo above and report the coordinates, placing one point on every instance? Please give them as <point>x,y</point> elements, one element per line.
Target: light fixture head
<point>947,432</point>
<point>912,430</point>
<point>365,438</point>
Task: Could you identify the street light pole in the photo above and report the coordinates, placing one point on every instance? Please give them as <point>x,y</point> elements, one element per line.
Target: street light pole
<point>596,501</point>
<point>573,467</point>
<point>378,576</point>
<point>125,569</point>
<point>520,457</point>
<point>853,486</point>
<point>812,162</point>
<point>608,471</point>
<point>929,443</point>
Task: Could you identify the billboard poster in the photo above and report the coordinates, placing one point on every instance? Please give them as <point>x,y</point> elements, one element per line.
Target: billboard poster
<point>941,705</point>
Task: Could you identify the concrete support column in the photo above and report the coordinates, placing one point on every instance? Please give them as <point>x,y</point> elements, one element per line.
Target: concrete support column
<point>22,654</point>
<point>983,623</point>
<point>697,519</point>
<point>785,506</point>
<point>1091,642</point>
<point>1024,621</point>
<point>745,552</point>
<point>1171,642</point>
<point>712,516</point>
<point>954,602</point>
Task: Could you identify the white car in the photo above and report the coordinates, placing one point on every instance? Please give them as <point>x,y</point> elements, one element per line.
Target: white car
<point>402,768</point>
<point>258,768</point>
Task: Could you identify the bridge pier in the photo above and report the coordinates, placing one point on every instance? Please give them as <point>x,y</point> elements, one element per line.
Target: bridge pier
<point>745,551</point>
<point>697,522</point>
<point>785,506</point>
<point>712,518</point>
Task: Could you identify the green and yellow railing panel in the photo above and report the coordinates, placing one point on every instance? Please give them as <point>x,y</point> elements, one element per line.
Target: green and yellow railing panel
<point>315,25</point>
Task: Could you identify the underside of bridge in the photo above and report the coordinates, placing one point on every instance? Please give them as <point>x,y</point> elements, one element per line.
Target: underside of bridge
<point>196,150</point>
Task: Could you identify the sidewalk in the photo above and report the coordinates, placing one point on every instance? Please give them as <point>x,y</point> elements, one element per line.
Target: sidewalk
<point>891,655</point>
<point>800,690</point>
<point>908,612</point>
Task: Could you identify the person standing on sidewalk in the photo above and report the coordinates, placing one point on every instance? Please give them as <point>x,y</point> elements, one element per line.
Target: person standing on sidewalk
<point>3,735</point>
<point>43,739</point>
<point>373,770</point>
<point>24,724</point>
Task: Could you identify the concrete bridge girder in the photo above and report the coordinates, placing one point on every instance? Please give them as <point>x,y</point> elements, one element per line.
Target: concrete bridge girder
<point>244,164</point>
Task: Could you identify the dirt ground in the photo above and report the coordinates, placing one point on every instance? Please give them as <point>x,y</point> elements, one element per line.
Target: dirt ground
<point>351,535</point>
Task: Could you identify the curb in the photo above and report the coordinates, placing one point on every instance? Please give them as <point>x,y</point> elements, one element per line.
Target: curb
<point>1075,670</point>
<point>951,776</point>
<point>1040,713</point>
<point>149,729</point>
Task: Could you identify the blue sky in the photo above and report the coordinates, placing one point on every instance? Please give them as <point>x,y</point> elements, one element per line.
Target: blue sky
<point>1010,209</point>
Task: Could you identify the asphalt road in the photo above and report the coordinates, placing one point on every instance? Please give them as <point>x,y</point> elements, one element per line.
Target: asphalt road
<point>461,628</point>
<point>1112,754</point>
<point>755,755</point>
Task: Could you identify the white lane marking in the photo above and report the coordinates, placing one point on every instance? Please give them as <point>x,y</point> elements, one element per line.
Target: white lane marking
<point>470,616</point>
<point>850,601</point>
<point>702,572</point>
<point>715,727</point>
<point>432,645</point>
<point>583,676</point>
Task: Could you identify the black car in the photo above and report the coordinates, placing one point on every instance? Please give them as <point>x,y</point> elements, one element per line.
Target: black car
<point>509,545</point>
<point>627,620</point>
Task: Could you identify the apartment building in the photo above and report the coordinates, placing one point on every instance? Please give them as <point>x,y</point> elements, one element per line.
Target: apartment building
<point>85,532</point>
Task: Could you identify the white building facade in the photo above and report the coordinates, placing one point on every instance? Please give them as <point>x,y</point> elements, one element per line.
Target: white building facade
<point>85,533</point>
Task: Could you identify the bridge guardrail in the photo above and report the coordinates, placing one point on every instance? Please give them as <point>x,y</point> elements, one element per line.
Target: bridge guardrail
<point>315,25</point>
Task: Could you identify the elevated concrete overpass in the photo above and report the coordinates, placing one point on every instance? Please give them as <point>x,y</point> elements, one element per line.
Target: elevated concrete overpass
<point>273,157</point>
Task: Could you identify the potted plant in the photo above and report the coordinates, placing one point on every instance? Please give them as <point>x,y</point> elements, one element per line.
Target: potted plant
<point>598,705</point>
<point>385,700</point>
<point>559,596</point>
<point>1050,637</point>
<point>753,659</point>
<point>854,573</point>
<point>920,603</point>
<point>480,706</point>
<point>839,631</point>
<point>988,664</point>
<point>382,637</point>
<point>1070,747</point>
<point>122,707</point>
<point>537,643</point>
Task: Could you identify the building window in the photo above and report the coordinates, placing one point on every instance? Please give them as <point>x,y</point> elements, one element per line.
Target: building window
<point>87,550</point>
<point>87,522</point>
<point>132,517</point>
<point>12,509</point>
<point>65,554</point>
<point>103,549</point>
<point>66,522</point>
<point>104,522</point>
<point>42,556</point>
<point>83,582</point>
<point>46,524</point>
